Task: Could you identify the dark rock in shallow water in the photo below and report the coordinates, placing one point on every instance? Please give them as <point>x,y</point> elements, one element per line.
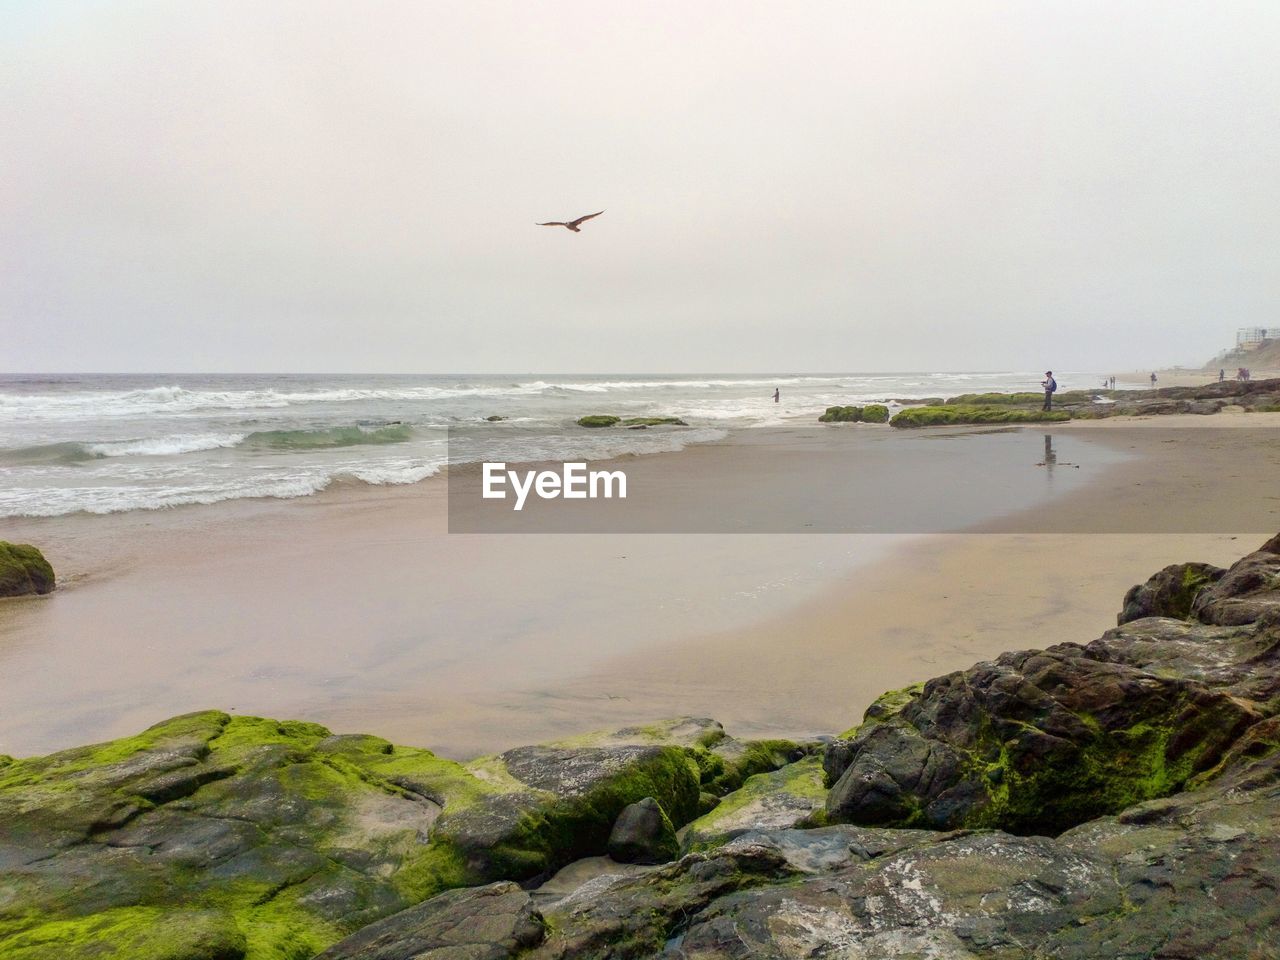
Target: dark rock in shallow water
<point>23,570</point>
<point>643,834</point>
<point>1169,593</point>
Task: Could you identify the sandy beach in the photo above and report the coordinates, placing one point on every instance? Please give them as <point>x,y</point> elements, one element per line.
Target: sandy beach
<point>472,643</point>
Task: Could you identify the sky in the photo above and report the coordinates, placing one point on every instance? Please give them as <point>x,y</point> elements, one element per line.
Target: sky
<point>847,186</point>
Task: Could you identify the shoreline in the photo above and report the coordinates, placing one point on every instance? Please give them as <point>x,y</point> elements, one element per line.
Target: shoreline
<point>222,606</point>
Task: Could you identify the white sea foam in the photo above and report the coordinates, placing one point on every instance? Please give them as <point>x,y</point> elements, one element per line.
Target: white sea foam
<point>165,446</point>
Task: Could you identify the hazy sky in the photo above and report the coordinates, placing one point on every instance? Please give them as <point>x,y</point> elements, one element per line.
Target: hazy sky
<point>313,186</point>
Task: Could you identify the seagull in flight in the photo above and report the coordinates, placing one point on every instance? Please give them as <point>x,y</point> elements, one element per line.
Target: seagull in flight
<point>572,224</point>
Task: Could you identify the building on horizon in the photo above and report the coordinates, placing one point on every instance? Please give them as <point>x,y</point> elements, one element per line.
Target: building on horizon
<point>1250,338</point>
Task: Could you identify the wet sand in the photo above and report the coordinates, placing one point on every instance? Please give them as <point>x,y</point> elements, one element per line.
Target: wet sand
<point>357,608</point>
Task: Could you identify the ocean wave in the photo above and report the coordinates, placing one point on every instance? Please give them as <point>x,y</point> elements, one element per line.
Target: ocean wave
<point>58,501</point>
<point>70,452</point>
<point>165,446</point>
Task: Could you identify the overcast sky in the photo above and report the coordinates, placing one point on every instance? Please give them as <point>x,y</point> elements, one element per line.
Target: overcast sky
<point>848,186</point>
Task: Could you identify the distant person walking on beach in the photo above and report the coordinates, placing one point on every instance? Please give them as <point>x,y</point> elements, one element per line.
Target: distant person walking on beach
<point>1050,387</point>
<point>1113,383</point>
<point>775,394</point>
<point>1153,380</point>
<point>1222,374</point>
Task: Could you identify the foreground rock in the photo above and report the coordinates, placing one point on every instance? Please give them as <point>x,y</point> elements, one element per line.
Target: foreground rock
<point>1192,876</point>
<point>226,837</point>
<point>23,570</point>
<point>643,833</point>
<point>1041,740</point>
<point>1115,800</point>
<point>479,923</point>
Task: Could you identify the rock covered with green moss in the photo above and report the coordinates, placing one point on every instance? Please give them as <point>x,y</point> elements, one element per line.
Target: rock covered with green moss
<point>960,414</point>
<point>1169,593</point>
<point>871,413</point>
<point>23,570</point>
<point>654,422</point>
<point>1186,876</point>
<point>597,420</point>
<point>848,414</point>
<point>1107,800</point>
<point>228,837</point>
<point>1041,740</point>
<point>791,796</point>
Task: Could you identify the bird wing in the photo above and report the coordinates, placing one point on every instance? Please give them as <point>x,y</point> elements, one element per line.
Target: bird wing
<point>552,223</point>
<point>587,217</point>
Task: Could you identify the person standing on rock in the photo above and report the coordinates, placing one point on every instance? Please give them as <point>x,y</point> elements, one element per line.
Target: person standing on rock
<point>1050,387</point>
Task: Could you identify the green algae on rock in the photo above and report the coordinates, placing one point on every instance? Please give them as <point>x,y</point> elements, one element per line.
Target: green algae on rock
<point>791,796</point>
<point>23,570</point>
<point>653,422</point>
<point>960,414</point>
<point>606,420</point>
<point>229,837</point>
<point>841,415</point>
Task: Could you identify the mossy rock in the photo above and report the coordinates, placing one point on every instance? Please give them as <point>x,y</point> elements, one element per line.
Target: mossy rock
<point>1034,742</point>
<point>599,420</point>
<point>226,837</point>
<point>653,422</point>
<point>494,418</point>
<point>948,415</point>
<point>23,570</point>
<point>841,415</point>
<point>1170,593</point>
<point>994,399</point>
<point>875,413</point>
<point>791,796</point>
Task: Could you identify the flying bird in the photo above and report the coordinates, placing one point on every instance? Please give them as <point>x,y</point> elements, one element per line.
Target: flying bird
<point>572,224</point>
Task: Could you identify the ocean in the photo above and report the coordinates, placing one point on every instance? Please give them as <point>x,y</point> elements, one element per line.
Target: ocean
<point>108,443</point>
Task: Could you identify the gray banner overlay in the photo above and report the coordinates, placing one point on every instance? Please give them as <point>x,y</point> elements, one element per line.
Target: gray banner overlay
<point>873,479</point>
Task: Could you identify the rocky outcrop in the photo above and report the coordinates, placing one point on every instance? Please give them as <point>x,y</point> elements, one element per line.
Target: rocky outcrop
<point>1169,593</point>
<point>792,796</point>
<point>23,570</point>
<point>1041,740</point>
<point>479,923</point>
<point>871,413</point>
<point>1116,799</point>
<point>977,408</point>
<point>212,835</point>
<point>633,423</point>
